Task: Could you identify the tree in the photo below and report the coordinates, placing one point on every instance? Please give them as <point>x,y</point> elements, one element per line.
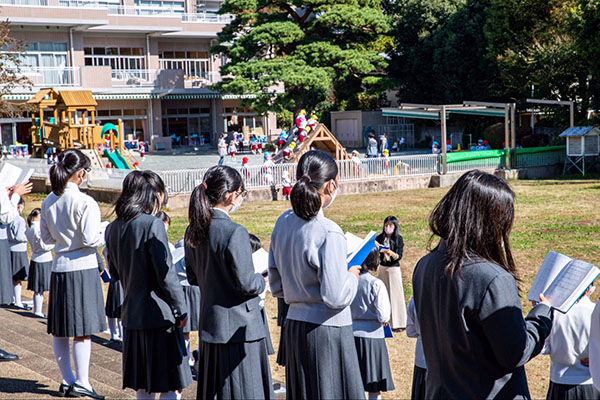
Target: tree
<point>11,58</point>
<point>320,54</point>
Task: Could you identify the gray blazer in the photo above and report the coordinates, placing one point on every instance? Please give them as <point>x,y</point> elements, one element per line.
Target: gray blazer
<point>222,267</point>
<point>475,339</point>
<point>138,255</point>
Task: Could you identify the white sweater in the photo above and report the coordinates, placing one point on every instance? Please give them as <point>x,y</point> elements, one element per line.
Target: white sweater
<point>40,251</point>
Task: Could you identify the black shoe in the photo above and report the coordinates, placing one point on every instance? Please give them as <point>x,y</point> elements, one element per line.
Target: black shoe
<point>6,356</point>
<point>76,390</point>
<point>63,388</point>
<point>23,307</point>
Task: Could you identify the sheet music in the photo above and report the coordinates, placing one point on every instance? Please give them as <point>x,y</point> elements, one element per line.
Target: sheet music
<point>553,264</point>
<point>353,242</point>
<point>11,175</point>
<point>260,259</point>
<point>570,284</point>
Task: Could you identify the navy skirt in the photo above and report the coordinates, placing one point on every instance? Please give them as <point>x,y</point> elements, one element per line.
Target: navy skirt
<point>192,300</point>
<point>39,276</point>
<point>418,384</point>
<point>20,265</point>
<point>114,299</point>
<point>559,391</point>
<point>374,364</point>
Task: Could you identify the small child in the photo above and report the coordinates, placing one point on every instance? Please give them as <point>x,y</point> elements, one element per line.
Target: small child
<point>142,151</point>
<point>232,149</point>
<point>413,330</point>
<point>267,169</point>
<point>244,171</point>
<point>256,245</point>
<point>287,185</point>
<point>567,345</point>
<point>253,145</point>
<point>17,241</point>
<point>371,311</point>
<point>41,262</point>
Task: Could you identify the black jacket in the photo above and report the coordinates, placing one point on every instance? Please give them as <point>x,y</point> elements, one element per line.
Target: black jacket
<point>475,339</point>
<point>397,247</point>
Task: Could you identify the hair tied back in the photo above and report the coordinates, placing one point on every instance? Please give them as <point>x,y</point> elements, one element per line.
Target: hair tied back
<point>307,177</point>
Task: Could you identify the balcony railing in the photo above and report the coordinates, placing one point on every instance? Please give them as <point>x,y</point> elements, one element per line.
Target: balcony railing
<point>52,76</point>
<point>208,17</point>
<point>134,77</point>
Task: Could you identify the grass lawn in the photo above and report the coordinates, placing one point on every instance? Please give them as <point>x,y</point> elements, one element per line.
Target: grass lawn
<point>561,215</point>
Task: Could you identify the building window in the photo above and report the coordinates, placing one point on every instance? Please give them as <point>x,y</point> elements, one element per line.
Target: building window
<point>45,54</point>
<point>151,7</point>
<point>115,57</point>
<point>195,64</point>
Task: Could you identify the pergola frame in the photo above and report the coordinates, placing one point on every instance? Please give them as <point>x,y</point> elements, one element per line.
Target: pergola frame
<point>571,105</point>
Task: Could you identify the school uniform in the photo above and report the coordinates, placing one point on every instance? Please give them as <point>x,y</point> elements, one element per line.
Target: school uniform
<point>154,355</point>
<point>71,222</point>
<point>191,293</point>
<point>233,350</point>
<point>307,267</point>
<point>370,309</point>
<point>282,310</point>
<point>391,275</point>
<point>114,295</point>
<point>18,249</point>
<point>8,212</point>
<point>40,265</point>
<point>413,330</point>
<point>567,345</point>
<point>475,339</point>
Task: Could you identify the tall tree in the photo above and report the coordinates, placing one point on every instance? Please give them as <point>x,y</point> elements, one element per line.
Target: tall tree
<point>11,58</point>
<point>318,53</point>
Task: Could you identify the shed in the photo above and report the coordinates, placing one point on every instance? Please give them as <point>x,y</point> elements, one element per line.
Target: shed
<point>582,141</point>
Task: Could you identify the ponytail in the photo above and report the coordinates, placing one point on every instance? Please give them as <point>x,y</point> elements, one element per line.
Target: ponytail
<point>69,163</point>
<point>314,170</point>
<point>218,182</point>
<point>36,212</point>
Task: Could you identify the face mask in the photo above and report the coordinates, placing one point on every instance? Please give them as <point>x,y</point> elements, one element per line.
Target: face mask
<point>333,195</point>
<point>236,207</point>
<point>389,230</point>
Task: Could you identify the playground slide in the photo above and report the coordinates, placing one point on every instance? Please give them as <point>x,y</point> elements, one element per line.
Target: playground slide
<point>278,158</point>
<point>116,159</point>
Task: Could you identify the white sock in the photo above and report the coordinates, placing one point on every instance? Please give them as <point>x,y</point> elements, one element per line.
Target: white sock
<point>63,358</point>
<point>190,358</point>
<point>38,303</point>
<point>141,394</point>
<point>112,326</point>
<point>17,290</point>
<point>170,396</point>
<point>121,333</point>
<point>374,395</point>
<point>82,351</point>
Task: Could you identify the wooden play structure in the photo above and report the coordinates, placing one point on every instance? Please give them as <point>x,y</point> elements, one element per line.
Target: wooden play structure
<point>68,120</point>
<point>319,138</point>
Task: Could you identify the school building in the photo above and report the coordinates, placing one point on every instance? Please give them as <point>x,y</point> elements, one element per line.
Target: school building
<point>147,62</point>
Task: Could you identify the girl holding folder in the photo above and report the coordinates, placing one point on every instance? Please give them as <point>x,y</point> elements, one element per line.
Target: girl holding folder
<point>307,267</point>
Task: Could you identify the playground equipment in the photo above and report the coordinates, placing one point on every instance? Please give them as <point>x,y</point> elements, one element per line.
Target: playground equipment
<point>318,138</point>
<point>68,120</point>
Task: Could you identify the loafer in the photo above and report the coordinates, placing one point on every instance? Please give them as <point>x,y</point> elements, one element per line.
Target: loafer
<point>76,390</point>
<point>6,356</point>
<point>23,307</point>
<point>63,388</point>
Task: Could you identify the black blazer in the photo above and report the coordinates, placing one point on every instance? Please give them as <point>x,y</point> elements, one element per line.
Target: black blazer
<point>222,267</point>
<point>397,247</point>
<point>475,339</point>
<point>138,255</point>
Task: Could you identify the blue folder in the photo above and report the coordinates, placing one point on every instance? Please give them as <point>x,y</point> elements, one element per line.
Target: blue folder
<point>361,255</point>
<point>387,331</point>
<point>105,276</point>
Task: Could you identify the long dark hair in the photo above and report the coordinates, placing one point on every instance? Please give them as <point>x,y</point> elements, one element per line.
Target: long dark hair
<point>140,195</point>
<point>474,220</point>
<point>394,236</point>
<point>69,163</point>
<point>314,170</point>
<point>36,212</point>
<point>218,182</point>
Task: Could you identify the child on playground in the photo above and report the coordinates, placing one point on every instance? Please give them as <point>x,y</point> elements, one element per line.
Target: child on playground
<point>232,149</point>
<point>287,185</point>
<point>41,262</point>
<point>17,241</point>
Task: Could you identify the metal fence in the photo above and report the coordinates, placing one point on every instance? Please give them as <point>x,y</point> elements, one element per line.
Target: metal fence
<point>541,158</point>
<point>481,163</point>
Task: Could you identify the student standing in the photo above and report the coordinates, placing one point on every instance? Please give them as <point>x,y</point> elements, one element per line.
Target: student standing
<point>222,147</point>
<point>233,349</point>
<point>18,254</point>
<point>391,246</point>
<point>307,267</point>
<point>41,262</point>
<point>71,222</point>
<point>370,313</point>
<point>475,339</point>
<point>420,368</point>
<point>154,310</point>
<point>114,304</point>
<point>567,346</point>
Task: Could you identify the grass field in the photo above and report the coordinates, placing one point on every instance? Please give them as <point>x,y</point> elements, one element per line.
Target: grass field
<point>560,215</point>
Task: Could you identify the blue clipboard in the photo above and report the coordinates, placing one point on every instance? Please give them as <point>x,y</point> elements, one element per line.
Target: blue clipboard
<point>105,276</point>
<point>361,254</point>
<point>387,330</point>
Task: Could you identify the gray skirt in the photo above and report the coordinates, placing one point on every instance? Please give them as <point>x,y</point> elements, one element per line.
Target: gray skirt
<point>39,276</point>
<point>76,304</point>
<point>374,364</point>
<point>234,371</point>
<point>418,384</point>
<point>559,391</point>
<point>6,274</point>
<point>114,299</point>
<point>282,310</point>
<point>155,360</point>
<point>20,265</point>
<point>270,350</point>
<point>192,300</point>
<point>321,362</point>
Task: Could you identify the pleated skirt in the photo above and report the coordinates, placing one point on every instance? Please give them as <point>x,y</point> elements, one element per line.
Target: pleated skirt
<point>418,384</point>
<point>76,304</point>
<point>234,371</point>
<point>114,299</point>
<point>321,362</point>
<point>392,279</point>
<point>192,299</point>
<point>20,265</point>
<point>155,360</point>
<point>374,364</point>
<point>282,310</point>
<point>39,276</point>
<point>559,391</point>
<point>6,274</point>
<point>270,349</point>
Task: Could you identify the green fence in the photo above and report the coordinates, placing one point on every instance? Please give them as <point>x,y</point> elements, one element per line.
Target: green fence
<point>496,159</point>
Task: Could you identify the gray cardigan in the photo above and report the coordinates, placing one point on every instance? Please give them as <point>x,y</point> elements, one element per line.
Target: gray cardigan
<point>475,339</point>
<point>307,267</point>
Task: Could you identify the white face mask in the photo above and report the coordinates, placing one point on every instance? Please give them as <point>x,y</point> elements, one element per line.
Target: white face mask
<point>236,206</point>
<point>333,195</point>
<point>389,230</point>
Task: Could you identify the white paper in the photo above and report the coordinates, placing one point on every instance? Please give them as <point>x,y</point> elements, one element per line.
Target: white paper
<point>260,259</point>
<point>363,242</point>
<point>12,175</point>
<point>353,242</point>
<point>570,283</point>
<point>551,267</point>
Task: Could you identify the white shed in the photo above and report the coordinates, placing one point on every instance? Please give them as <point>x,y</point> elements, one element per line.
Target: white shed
<point>582,141</point>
